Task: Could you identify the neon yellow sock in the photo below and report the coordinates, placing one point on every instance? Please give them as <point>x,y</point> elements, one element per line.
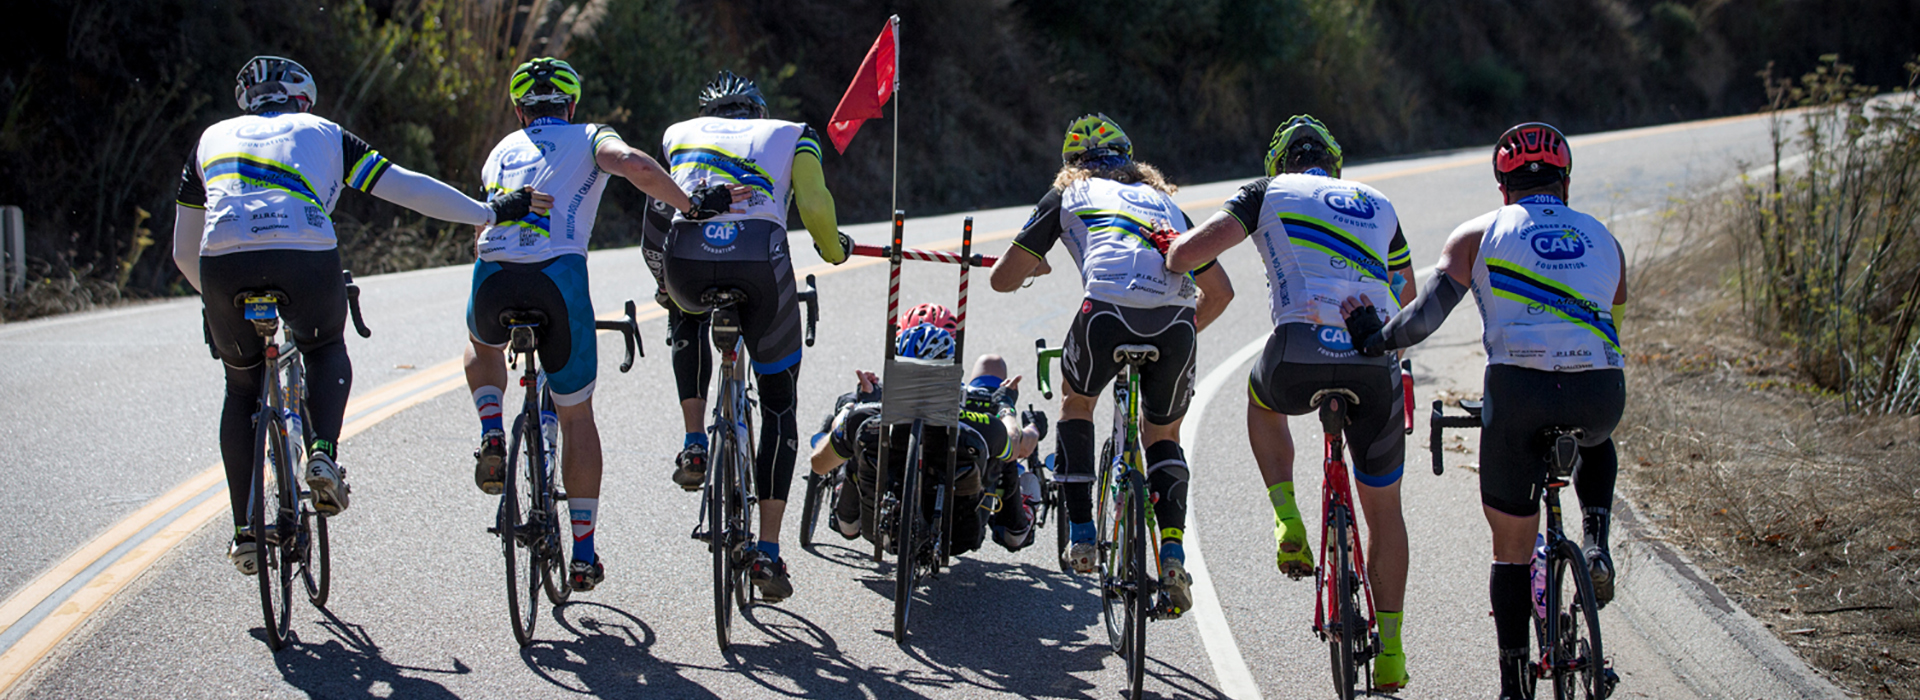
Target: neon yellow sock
<point>1281,495</point>
<point>1390,667</point>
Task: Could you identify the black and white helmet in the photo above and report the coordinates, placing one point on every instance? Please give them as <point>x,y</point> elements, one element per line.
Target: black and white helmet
<point>268,79</point>
<point>732,97</point>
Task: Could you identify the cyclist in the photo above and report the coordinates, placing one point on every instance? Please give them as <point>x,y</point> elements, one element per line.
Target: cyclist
<point>270,179</point>
<point>1116,215</point>
<point>687,343</point>
<point>988,426</point>
<point>734,142</point>
<point>540,262</point>
<point>1323,238</point>
<point>1549,281</point>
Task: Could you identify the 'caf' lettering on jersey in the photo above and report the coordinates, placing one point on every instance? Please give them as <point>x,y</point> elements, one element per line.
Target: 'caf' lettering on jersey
<point>1323,239</point>
<point>556,158</point>
<point>1545,283</point>
<point>757,153</point>
<point>270,181</point>
<point>1106,226</point>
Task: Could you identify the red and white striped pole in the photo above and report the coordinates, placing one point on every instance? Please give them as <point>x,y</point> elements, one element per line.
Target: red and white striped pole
<point>893,281</point>
<point>966,258</point>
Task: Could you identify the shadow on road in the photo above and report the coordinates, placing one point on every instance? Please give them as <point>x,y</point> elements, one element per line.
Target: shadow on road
<point>352,665</point>
<point>607,656</point>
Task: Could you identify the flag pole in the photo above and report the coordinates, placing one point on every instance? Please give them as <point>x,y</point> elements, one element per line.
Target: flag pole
<point>895,21</point>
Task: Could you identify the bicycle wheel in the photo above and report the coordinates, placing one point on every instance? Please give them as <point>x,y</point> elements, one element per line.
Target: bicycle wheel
<point>741,509</point>
<point>906,571</point>
<point>817,485</point>
<point>1138,590</point>
<point>1346,627</point>
<point>317,572</point>
<point>1576,660</point>
<point>515,504</point>
<point>719,540</point>
<point>1108,520</point>
<point>267,460</point>
<point>555,523</point>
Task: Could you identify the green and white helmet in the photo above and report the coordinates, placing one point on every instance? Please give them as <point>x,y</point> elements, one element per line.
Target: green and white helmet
<point>1300,133</point>
<point>1094,136</point>
<point>561,82</point>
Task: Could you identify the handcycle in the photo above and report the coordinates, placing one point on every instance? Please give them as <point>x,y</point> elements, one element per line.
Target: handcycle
<point>532,521</point>
<point>1566,613</point>
<point>290,536</point>
<point>1127,542</point>
<point>727,506</point>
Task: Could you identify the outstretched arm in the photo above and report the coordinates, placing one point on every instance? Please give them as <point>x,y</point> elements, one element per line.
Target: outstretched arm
<point>1203,244</point>
<point>816,207</point>
<point>615,156</point>
<point>1451,279</point>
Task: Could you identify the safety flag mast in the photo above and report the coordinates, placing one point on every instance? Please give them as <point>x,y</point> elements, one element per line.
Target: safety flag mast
<point>875,82</point>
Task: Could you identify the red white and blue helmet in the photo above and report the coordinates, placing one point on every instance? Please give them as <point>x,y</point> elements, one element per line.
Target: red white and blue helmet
<point>1533,150</point>
<point>930,313</point>
<point>926,342</point>
<point>268,79</point>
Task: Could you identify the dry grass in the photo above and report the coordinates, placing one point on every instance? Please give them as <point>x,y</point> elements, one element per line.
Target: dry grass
<point>1805,512</point>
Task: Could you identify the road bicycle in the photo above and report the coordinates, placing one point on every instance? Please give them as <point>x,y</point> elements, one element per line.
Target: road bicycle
<point>1566,620</point>
<point>1340,581</point>
<point>290,535</point>
<point>533,523</point>
<point>1127,542</point>
<point>727,506</point>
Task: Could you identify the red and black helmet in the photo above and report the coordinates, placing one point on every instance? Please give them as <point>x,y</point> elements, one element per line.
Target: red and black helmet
<point>1533,147</point>
<point>930,313</point>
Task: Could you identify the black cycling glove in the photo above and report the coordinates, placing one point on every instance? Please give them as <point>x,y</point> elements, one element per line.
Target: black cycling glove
<point>512,206</point>
<point>846,249</point>
<point>709,202</point>
<point>1036,418</point>
<point>1363,328</point>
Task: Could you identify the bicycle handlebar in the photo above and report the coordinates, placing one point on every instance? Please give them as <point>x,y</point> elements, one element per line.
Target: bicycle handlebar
<point>353,306</point>
<point>1045,376</point>
<point>629,329</point>
<point>940,256</point>
<point>1440,421</point>
<point>811,297</point>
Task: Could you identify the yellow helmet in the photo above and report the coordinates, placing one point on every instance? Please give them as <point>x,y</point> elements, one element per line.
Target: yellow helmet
<point>1094,136</point>
<point>1301,132</point>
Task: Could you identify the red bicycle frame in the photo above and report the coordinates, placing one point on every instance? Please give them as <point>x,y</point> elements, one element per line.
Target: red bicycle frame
<point>1337,490</point>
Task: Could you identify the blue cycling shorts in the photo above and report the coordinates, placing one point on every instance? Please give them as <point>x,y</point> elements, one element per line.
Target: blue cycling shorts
<point>569,352</point>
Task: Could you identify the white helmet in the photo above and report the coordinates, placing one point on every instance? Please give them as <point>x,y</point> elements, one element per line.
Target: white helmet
<point>267,79</point>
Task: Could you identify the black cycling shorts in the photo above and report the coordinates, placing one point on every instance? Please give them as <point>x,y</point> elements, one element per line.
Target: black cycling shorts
<point>1166,385</point>
<point>1291,370</point>
<point>316,308</point>
<point>1520,402</point>
<point>770,319</point>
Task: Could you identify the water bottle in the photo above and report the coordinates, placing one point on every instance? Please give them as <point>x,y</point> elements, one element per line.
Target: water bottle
<point>550,435</point>
<point>1540,576</point>
<point>295,430</point>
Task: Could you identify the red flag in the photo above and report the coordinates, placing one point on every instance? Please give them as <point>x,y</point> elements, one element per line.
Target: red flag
<point>876,80</point>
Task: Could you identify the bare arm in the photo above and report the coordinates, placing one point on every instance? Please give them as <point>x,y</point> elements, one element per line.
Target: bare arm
<point>1015,267</point>
<point>616,157</point>
<point>1462,250</point>
<point>1205,243</point>
<point>1216,291</point>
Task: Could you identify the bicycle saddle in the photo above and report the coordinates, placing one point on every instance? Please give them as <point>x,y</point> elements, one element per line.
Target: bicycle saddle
<point>1136,354</point>
<point>522,317</point>
<point>268,293</point>
<point>1563,457</point>
<point>1322,395</point>
<point>1333,414</point>
<point>1472,406</point>
<point>722,296</point>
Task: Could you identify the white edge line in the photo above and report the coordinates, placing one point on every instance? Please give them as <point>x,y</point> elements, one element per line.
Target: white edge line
<point>1229,667</point>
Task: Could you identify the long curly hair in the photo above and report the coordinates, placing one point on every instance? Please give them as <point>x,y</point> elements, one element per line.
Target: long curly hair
<point>1132,172</point>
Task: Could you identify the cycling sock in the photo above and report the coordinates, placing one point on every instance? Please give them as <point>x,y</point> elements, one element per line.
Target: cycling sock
<point>584,511</point>
<point>1170,547</point>
<point>1390,667</point>
<point>771,549</point>
<point>1167,478</point>
<point>486,399</point>
<point>1513,672</point>
<point>1281,496</point>
<point>1510,590</point>
<point>1599,466</point>
<point>1595,522</point>
<point>325,446</point>
<point>696,439</point>
<point>1389,621</point>
<point>1080,532</point>
<point>1075,449</point>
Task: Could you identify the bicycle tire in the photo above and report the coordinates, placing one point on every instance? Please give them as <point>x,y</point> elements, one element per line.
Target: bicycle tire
<point>511,525</point>
<point>267,446</point>
<point>810,507</point>
<point>906,571</point>
<point>1107,564</point>
<point>741,509</point>
<point>1140,593</point>
<point>719,540</point>
<point>1341,634</point>
<point>318,572</point>
<point>556,524</point>
<point>1577,655</point>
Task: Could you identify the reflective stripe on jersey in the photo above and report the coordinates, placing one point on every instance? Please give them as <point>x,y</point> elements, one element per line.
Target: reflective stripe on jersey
<point>757,153</point>
<point>270,181</point>
<point>556,158</point>
<point>1544,280</point>
<point>1323,239</point>
<point>1105,226</point>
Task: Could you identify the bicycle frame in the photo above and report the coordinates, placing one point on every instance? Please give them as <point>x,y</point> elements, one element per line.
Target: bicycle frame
<point>1341,552</point>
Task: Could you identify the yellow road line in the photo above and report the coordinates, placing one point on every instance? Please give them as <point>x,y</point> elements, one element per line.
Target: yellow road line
<point>385,402</point>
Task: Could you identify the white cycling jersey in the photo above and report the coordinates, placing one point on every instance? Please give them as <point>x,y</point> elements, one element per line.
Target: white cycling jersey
<point>1545,283</point>
<point>1106,226</point>
<point>757,153</point>
<point>1323,239</point>
<point>557,158</point>
<point>270,181</point>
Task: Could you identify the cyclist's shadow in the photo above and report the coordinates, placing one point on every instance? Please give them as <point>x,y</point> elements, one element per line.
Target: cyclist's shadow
<point>801,659</point>
<point>605,655</point>
<point>351,664</point>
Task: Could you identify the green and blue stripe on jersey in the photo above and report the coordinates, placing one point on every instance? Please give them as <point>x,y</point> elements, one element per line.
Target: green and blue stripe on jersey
<point>1512,282</point>
<point>729,166</point>
<point>1319,235</point>
<point>1105,220</point>
<point>365,173</point>
<point>809,143</point>
<point>260,172</point>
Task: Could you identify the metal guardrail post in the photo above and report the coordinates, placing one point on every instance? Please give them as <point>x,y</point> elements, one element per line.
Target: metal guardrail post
<point>13,249</point>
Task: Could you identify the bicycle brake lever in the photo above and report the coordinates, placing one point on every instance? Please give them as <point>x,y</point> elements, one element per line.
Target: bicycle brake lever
<point>353,306</point>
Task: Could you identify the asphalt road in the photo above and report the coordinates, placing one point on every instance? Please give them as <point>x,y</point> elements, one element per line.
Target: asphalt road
<point>102,412</point>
